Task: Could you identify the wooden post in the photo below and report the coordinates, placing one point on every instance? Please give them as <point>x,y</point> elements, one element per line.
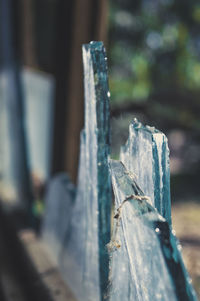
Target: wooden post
<point>86,21</point>
<point>28,37</point>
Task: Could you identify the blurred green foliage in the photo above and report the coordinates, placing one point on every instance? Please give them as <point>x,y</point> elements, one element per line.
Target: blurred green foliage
<point>154,47</point>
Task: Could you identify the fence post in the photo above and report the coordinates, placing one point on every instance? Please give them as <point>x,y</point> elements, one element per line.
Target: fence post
<point>84,258</point>
<point>147,263</point>
<point>95,173</point>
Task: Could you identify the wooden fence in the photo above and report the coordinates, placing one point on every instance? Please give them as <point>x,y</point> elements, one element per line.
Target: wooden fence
<point>141,259</point>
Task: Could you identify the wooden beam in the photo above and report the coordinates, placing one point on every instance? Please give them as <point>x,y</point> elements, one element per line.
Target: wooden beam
<point>88,24</point>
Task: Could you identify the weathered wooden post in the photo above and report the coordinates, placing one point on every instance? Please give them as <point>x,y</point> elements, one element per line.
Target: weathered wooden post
<point>146,263</point>
<point>84,259</point>
<point>90,221</point>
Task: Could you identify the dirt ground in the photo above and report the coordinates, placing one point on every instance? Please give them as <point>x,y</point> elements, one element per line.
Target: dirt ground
<point>186,223</point>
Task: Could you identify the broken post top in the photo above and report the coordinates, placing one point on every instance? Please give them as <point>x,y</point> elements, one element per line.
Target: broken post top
<point>97,109</point>
<point>95,45</point>
<point>139,126</point>
<point>146,154</point>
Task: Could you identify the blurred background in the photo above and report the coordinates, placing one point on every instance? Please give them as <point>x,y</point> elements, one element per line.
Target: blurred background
<point>153,49</point>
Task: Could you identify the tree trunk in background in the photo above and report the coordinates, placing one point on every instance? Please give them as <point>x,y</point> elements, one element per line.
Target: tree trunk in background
<point>78,23</point>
